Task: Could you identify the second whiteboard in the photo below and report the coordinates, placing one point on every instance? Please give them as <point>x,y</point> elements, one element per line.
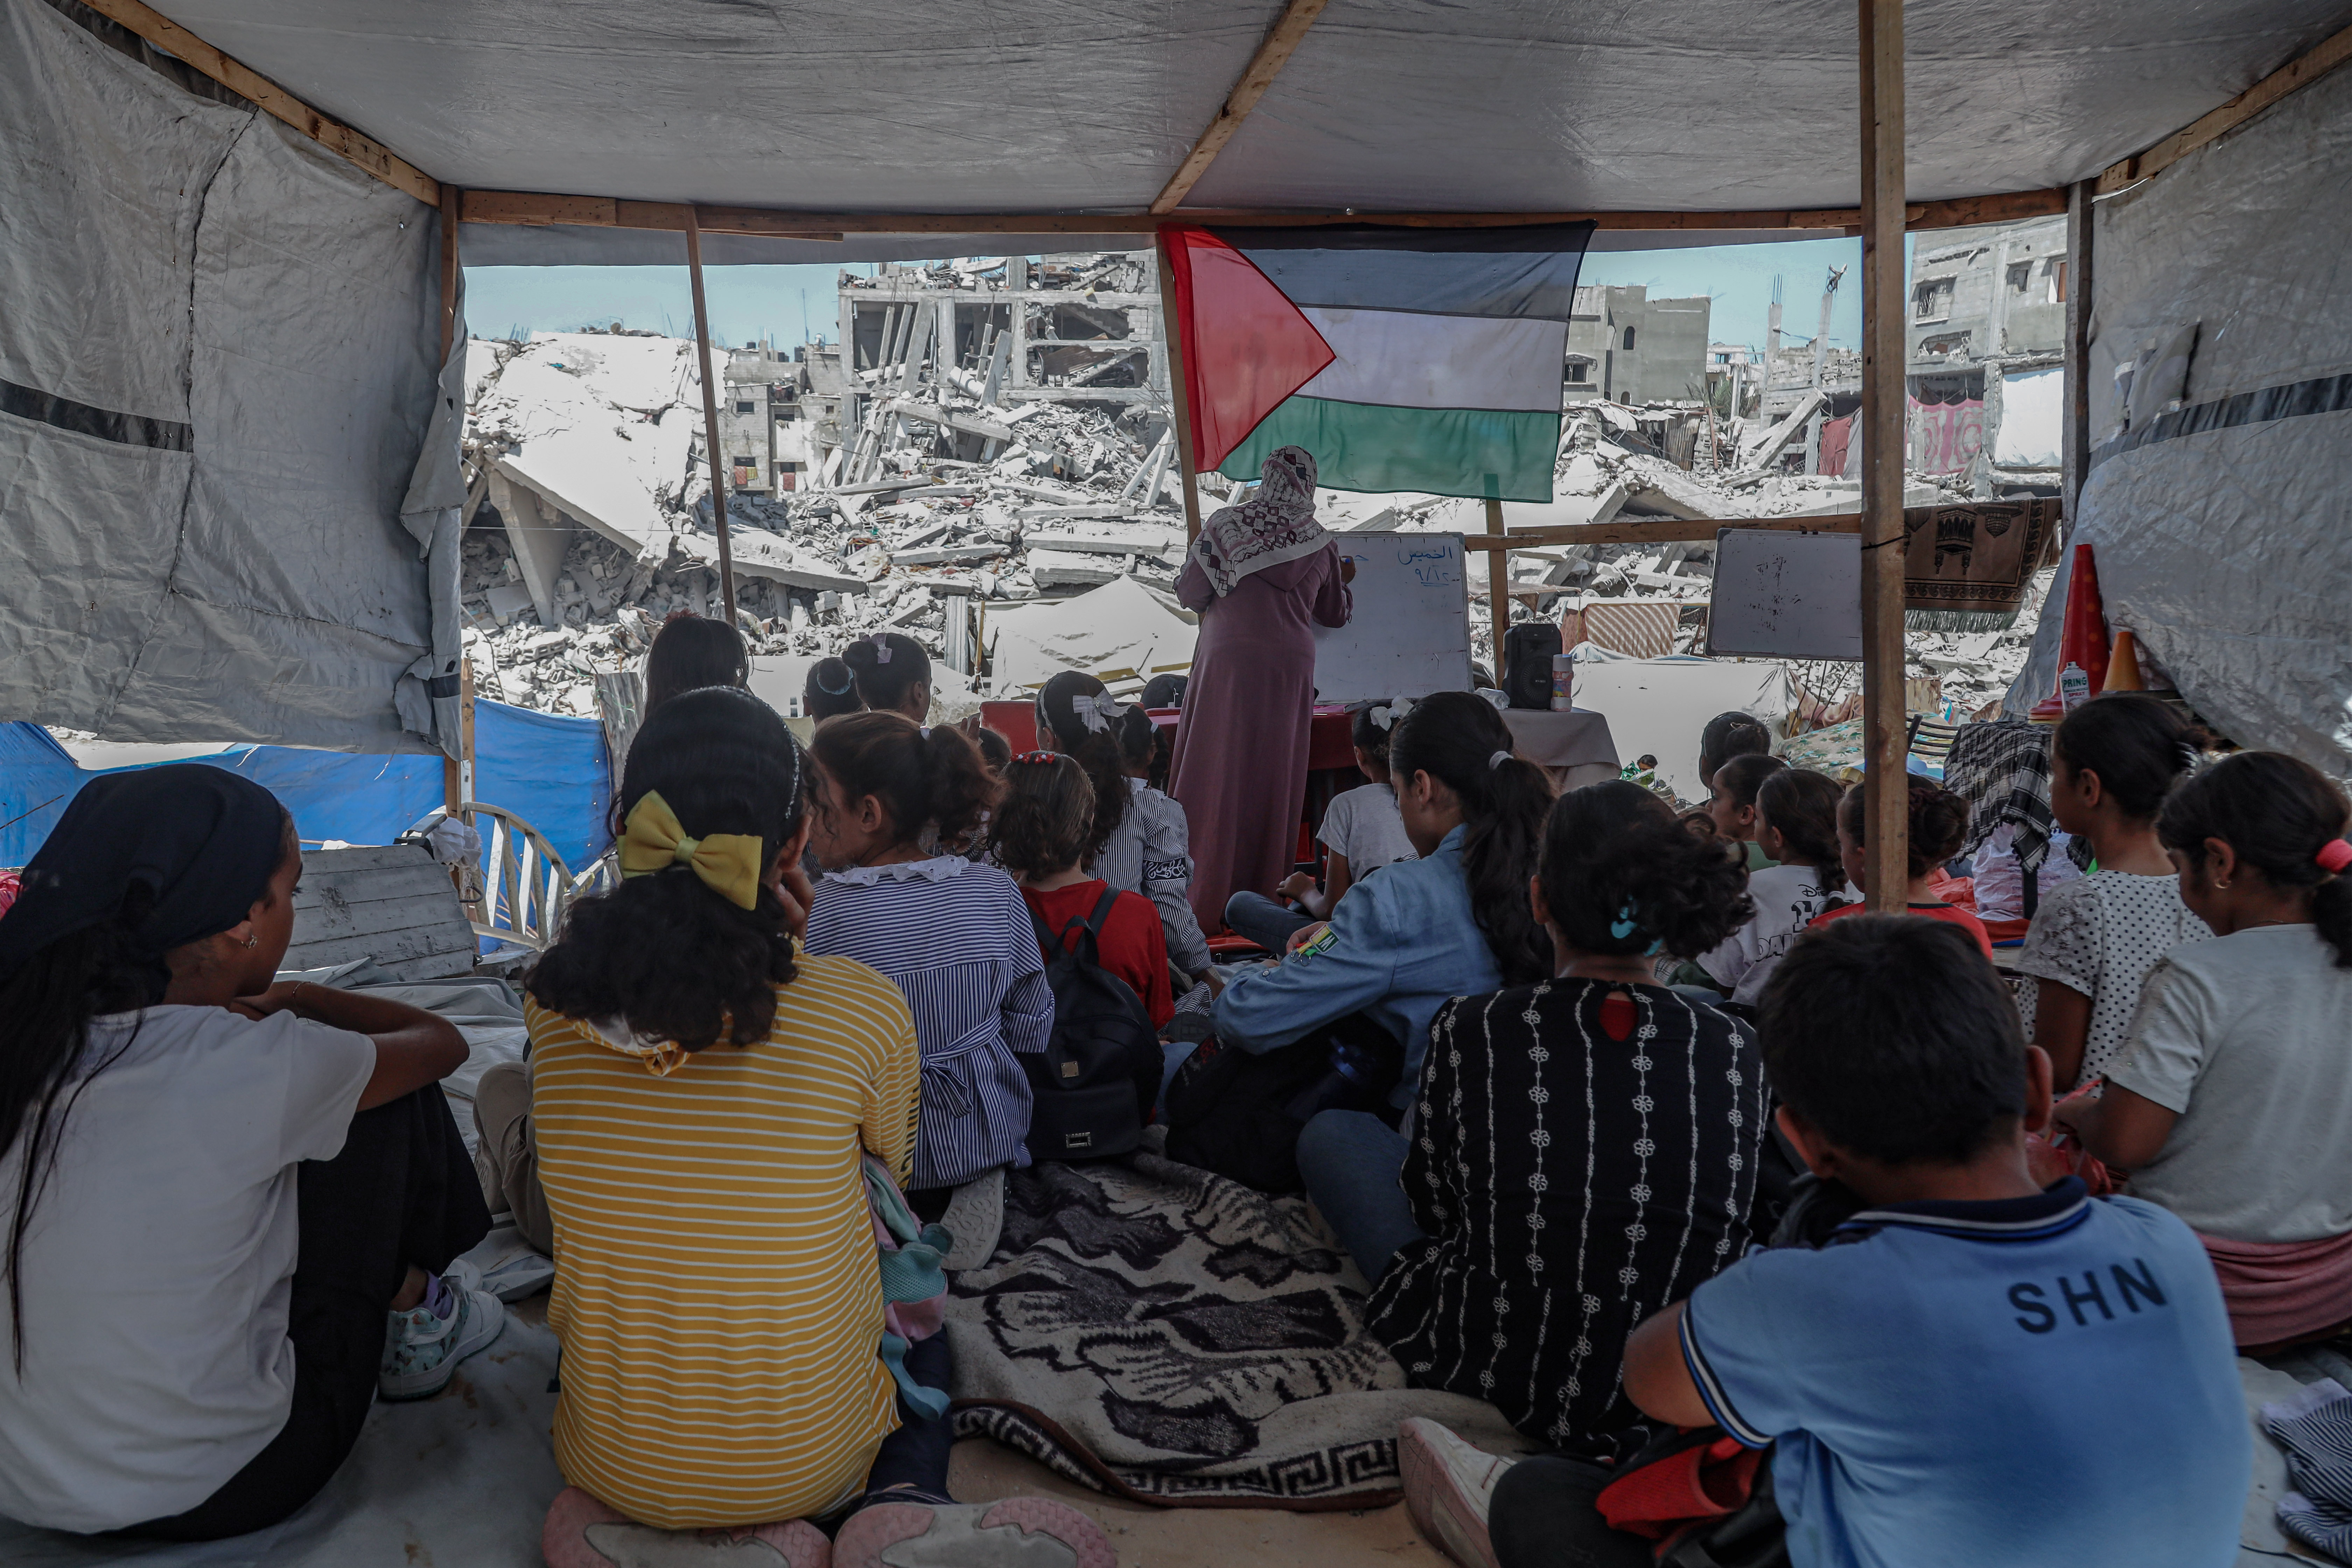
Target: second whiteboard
<point>1784,595</point>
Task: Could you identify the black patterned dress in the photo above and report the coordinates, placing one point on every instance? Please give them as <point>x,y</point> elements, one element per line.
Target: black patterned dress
<point>1583,1154</point>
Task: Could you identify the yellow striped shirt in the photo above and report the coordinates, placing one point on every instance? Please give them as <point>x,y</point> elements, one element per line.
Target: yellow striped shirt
<point>716,1289</point>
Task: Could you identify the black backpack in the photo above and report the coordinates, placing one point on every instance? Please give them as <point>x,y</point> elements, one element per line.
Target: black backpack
<point>1239,1113</point>
<point>1094,1084</point>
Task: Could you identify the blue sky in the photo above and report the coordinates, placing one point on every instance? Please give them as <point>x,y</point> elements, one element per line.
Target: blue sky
<point>750,303</point>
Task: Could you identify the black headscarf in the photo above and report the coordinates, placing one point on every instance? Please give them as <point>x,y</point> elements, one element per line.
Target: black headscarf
<point>205,839</point>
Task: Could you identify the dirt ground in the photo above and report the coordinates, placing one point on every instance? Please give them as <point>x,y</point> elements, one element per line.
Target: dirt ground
<point>981,1471</point>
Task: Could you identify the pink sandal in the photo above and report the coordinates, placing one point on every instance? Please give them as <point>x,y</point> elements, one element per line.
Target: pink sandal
<point>582,1532</point>
<point>1018,1532</point>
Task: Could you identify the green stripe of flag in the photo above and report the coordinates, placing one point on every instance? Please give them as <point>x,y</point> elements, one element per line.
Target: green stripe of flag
<point>1370,446</point>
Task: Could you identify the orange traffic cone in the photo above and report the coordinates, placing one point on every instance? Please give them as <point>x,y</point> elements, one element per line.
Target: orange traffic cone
<point>2122,665</point>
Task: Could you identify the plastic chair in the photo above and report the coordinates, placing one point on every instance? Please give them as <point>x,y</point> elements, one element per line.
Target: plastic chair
<point>525,886</point>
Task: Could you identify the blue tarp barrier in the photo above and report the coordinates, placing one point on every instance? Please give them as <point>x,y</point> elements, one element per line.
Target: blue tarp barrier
<point>546,769</point>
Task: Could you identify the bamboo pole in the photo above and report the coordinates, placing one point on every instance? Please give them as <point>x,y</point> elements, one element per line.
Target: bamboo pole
<point>711,416</point>
<point>1499,582</point>
<point>455,773</point>
<point>1180,395</point>
<point>1887,791</point>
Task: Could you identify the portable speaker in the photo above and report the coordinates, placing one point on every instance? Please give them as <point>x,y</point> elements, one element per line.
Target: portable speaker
<point>1527,648</point>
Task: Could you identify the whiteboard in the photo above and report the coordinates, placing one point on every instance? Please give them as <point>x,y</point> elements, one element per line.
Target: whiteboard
<point>1410,635</point>
<point>1793,595</point>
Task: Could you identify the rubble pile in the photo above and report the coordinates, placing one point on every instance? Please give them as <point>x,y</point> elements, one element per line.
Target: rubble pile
<point>599,437</point>
<point>940,497</point>
<point>1614,466</point>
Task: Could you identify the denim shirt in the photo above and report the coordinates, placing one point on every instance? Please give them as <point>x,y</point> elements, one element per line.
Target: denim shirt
<point>1401,942</point>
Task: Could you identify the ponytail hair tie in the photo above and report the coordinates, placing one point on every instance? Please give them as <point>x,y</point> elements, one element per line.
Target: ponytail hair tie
<point>881,641</point>
<point>2335,857</point>
<point>1498,760</point>
<point>2188,758</point>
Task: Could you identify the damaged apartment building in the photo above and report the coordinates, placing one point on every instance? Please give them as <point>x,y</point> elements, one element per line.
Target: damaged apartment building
<point>993,433</point>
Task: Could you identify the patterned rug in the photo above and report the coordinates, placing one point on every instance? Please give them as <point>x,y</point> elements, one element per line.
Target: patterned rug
<point>1160,1333</point>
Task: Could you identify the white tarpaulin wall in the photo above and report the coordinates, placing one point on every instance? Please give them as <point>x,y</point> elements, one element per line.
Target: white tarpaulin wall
<point>218,348</point>
<point>934,106</point>
<point>2220,519</point>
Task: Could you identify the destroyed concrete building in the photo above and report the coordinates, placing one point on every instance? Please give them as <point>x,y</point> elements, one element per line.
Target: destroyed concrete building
<point>1625,347</point>
<point>1985,350</point>
<point>994,433</point>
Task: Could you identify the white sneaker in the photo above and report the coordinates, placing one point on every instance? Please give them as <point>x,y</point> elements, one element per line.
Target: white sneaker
<point>422,1348</point>
<point>1448,1486</point>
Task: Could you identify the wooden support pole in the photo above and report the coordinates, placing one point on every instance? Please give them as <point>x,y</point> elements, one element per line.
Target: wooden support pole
<point>466,732</point>
<point>1179,397</point>
<point>1887,792</point>
<point>455,773</point>
<point>2074,423</point>
<point>711,416</point>
<point>1499,582</point>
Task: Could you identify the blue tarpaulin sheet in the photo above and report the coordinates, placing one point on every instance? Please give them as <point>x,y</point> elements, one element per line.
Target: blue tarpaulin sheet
<point>546,769</point>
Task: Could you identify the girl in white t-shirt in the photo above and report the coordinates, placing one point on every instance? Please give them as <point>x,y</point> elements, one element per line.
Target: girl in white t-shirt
<point>2229,1101</point>
<point>1796,825</point>
<point>1361,832</point>
<point>194,1334</point>
<point>2093,939</point>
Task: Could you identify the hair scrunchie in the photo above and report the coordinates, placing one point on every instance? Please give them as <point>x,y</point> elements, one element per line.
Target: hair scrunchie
<point>2333,857</point>
<point>1498,760</point>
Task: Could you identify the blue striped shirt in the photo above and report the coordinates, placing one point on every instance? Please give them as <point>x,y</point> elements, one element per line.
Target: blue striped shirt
<point>956,937</point>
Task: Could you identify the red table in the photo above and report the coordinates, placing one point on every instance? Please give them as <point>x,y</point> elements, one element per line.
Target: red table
<point>1330,754</point>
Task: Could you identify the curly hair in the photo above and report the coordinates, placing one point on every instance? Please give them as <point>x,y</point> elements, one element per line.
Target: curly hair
<point>1615,857</point>
<point>1458,739</point>
<point>1939,821</point>
<point>1045,822</point>
<point>936,778</point>
<point>1802,807</point>
<point>1102,753</point>
<point>677,960</point>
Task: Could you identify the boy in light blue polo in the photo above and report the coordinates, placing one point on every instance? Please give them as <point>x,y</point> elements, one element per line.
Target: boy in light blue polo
<point>1974,1372</point>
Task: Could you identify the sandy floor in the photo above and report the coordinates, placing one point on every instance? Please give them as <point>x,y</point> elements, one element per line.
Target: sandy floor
<point>1203,1537</point>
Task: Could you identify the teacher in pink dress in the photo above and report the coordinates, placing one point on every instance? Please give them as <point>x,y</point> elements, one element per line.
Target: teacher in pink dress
<point>1261,575</point>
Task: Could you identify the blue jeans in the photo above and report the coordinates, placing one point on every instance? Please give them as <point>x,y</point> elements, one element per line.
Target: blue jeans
<point>1350,1161</point>
<point>1263,920</point>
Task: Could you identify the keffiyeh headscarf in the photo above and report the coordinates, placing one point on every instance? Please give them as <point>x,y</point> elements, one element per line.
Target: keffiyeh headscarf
<point>1275,525</point>
<point>2002,770</point>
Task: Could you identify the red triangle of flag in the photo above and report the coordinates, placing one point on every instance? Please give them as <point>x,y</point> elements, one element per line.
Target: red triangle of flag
<point>1246,346</point>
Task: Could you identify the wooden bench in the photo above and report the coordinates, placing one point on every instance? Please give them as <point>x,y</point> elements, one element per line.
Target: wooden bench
<point>393,903</point>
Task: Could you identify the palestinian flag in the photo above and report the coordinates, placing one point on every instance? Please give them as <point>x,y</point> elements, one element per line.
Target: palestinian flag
<point>1403,358</point>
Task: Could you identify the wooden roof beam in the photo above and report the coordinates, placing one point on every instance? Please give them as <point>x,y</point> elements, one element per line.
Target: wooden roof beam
<point>2299,72</point>
<point>536,208</point>
<point>273,100</point>
<point>1272,53</point>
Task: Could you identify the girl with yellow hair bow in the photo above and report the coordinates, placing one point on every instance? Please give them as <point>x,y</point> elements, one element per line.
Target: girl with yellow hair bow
<point>704,1100</point>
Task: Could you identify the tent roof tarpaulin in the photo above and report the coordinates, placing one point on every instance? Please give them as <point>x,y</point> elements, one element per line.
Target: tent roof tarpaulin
<point>1398,105</point>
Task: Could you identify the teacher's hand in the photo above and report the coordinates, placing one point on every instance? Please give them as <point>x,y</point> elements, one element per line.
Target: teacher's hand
<point>1346,569</point>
